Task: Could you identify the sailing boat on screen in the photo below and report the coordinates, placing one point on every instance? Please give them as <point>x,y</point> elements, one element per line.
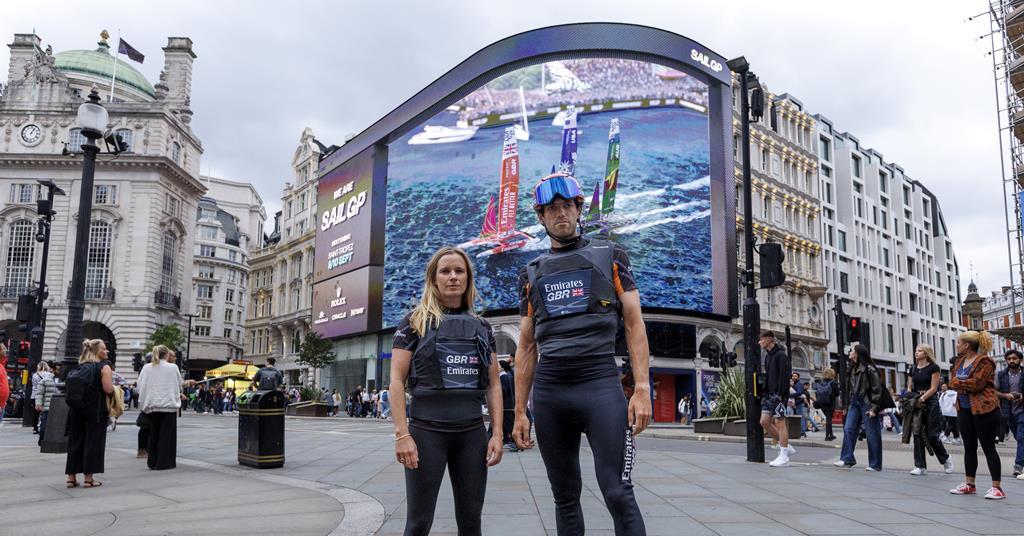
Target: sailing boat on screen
<point>498,233</point>
<point>600,219</point>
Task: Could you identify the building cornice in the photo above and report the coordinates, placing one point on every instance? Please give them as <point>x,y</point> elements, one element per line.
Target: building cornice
<point>160,164</point>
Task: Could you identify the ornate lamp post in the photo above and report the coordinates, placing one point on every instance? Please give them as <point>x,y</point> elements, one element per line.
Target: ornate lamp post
<point>92,119</point>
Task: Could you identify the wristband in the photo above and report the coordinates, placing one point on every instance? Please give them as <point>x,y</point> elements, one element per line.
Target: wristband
<point>402,437</point>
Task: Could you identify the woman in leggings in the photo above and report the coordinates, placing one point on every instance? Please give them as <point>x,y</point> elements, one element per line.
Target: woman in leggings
<point>924,378</point>
<point>447,354</point>
<point>978,413</point>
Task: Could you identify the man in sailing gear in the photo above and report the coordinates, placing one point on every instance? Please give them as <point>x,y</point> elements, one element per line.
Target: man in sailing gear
<point>571,301</point>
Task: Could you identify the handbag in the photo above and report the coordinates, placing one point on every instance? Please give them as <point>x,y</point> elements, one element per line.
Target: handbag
<point>142,421</point>
<point>886,401</point>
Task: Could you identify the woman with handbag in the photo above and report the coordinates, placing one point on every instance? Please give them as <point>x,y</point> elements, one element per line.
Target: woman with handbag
<point>978,412</point>
<point>159,399</point>
<point>866,403</point>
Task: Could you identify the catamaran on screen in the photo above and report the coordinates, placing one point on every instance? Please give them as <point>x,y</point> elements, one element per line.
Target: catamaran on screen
<point>599,220</point>
<point>499,233</point>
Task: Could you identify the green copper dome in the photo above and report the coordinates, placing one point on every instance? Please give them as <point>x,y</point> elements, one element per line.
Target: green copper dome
<point>100,63</point>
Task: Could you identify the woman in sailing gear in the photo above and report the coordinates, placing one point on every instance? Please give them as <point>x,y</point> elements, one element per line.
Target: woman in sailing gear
<point>571,301</point>
<point>447,354</point>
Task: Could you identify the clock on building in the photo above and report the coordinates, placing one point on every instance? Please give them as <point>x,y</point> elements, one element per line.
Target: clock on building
<point>31,134</point>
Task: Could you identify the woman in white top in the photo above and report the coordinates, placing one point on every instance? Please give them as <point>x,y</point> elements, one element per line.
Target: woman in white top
<point>159,398</point>
<point>947,405</point>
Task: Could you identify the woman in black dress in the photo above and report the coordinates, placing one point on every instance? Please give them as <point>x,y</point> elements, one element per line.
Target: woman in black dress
<point>925,380</point>
<point>87,425</point>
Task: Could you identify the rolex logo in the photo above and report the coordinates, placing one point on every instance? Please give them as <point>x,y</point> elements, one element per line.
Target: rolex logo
<point>337,291</point>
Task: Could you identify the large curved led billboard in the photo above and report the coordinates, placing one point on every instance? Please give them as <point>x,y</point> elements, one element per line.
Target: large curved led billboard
<point>633,133</point>
<point>641,117</point>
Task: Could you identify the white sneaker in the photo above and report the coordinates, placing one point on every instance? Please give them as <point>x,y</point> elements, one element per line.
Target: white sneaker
<point>781,461</point>
<point>918,471</point>
<point>790,450</point>
<point>869,468</point>
<point>948,466</point>
<point>841,463</point>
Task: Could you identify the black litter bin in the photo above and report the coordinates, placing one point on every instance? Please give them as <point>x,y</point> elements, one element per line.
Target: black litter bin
<point>261,429</point>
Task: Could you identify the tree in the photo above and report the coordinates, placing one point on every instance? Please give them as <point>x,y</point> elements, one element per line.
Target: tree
<point>315,352</point>
<point>169,336</point>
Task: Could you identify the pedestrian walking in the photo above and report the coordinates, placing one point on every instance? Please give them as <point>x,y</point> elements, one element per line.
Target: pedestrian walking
<point>973,378</point>
<point>447,353</point>
<point>924,380</point>
<point>160,397</point>
<point>825,394</point>
<point>947,405</point>
<point>44,387</point>
<point>5,388</point>
<point>684,409</point>
<point>573,298</point>
<point>335,402</point>
<point>86,388</point>
<point>864,410</point>
<point>268,378</point>
<point>775,401</point>
<point>798,395</point>
<point>385,404</point>
<point>1010,382</point>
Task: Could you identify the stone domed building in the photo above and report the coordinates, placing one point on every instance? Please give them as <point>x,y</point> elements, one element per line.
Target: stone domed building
<point>145,200</point>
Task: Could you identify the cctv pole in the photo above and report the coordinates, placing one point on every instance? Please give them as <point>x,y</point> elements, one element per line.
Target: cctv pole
<point>751,309</point>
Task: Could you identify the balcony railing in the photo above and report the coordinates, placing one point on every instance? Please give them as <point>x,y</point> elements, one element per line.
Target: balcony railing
<point>166,299</point>
<point>11,292</point>
<point>105,293</point>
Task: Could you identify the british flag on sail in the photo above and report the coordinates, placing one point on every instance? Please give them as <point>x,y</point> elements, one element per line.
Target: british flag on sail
<point>570,139</point>
<point>508,193</point>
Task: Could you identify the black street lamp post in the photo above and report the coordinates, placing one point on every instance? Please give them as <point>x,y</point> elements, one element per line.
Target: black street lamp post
<point>92,118</point>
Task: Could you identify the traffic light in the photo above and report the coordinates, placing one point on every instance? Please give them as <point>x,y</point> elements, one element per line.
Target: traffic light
<point>772,257</point>
<point>730,359</point>
<point>136,362</point>
<point>853,329</point>
<point>714,360</point>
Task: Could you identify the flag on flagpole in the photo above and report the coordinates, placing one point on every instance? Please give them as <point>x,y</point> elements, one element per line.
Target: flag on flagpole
<point>124,48</point>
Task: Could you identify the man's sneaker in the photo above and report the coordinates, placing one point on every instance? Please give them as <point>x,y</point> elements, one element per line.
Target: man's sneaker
<point>1017,470</point>
<point>781,461</point>
<point>995,494</point>
<point>918,471</point>
<point>790,450</point>
<point>869,468</point>
<point>948,466</point>
<point>944,439</point>
<point>964,489</point>
<point>841,463</point>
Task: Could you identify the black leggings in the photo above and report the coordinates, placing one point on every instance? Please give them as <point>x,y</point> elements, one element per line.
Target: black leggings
<point>952,428</point>
<point>465,455</point>
<point>162,444</point>
<point>982,429</point>
<point>597,408</point>
<point>828,410</point>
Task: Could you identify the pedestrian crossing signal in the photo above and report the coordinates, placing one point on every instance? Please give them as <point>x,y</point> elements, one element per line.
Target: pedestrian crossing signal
<point>853,329</point>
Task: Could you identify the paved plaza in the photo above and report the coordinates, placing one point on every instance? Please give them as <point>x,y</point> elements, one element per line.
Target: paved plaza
<point>340,478</point>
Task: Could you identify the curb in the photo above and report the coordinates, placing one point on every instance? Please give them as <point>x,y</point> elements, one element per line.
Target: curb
<point>364,515</point>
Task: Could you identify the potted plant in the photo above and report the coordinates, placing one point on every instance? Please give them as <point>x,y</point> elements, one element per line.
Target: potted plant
<point>731,404</point>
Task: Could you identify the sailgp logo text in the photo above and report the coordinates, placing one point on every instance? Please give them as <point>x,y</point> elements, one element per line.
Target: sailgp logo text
<point>705,60</point>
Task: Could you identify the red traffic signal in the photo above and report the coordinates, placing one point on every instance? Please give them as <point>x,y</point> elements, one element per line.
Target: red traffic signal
<point>853,329</point>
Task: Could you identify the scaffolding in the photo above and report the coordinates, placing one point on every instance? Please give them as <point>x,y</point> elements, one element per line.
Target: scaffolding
<point>1006,37</point>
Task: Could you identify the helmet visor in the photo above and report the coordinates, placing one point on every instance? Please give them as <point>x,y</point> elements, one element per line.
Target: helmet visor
<point>551,186</point>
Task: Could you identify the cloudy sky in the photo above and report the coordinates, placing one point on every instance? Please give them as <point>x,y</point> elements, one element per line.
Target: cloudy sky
<point>910,79</point>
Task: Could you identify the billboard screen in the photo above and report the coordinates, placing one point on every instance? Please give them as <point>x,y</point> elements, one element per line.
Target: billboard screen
<point>350,204</point>
<point>348,304</point>
<point>636,136</point>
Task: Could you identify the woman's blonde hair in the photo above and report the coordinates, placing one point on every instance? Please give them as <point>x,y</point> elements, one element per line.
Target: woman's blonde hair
<point>90,351</point>
<point>929,352</point>
<point>829,374</point>
<point>979,341</point>
<point>159,351</point>
<point>42,367</point>
<point>429,312</point>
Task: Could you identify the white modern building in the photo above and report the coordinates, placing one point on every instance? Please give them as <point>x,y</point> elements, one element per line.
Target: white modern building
<point>888,253</point>
<point>144,201</point>
<point>281,270</point>
<point>230,224</point>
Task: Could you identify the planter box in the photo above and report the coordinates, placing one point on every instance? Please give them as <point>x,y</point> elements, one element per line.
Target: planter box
<point>308,409</point>
<point>736,428</point>
<point>710,425</point>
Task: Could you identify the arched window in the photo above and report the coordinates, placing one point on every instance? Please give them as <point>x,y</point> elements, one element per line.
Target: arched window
<point>128,137</point>
<point>170,248</point>
<point>97,270</point>
<point>21,249</point>
<point>76,140</point>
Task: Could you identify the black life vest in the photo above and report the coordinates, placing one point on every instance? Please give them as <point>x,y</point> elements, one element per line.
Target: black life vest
<point>451,370</point>
<point>575,307</point>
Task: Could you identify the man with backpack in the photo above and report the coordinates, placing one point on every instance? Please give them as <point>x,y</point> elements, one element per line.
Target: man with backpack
<point>825,400</point>
<point>268,377</point>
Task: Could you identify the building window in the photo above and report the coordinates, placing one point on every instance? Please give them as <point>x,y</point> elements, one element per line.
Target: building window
<point>21,249</point>
<point>828,192</point>
<point>170,247</point>
<point>204,291</point>
<point>883,183</point>
<point>913,301</point>
<point>76,140</point>
<point>25,193</point>
<point>841,240</point>
<point>97,270</point>
<point>205,312</point>
<point>844,282</point>
<point>229,315</point>
<point>176,153</point>
<point>202,331</point>
<point>296,341</point>
<point>207,251</point>
<point>888,297</point>
<point>302,201</point>
<point>206,272</point>
<point>227,333</point>
<point>890,339</point>
<point>172,206</point>
<point>906,196</point>
<point>207,233</point>
<point>229,295</point>
<point>128,137</point>
<point>855,160</point>
<point>105,194</point>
